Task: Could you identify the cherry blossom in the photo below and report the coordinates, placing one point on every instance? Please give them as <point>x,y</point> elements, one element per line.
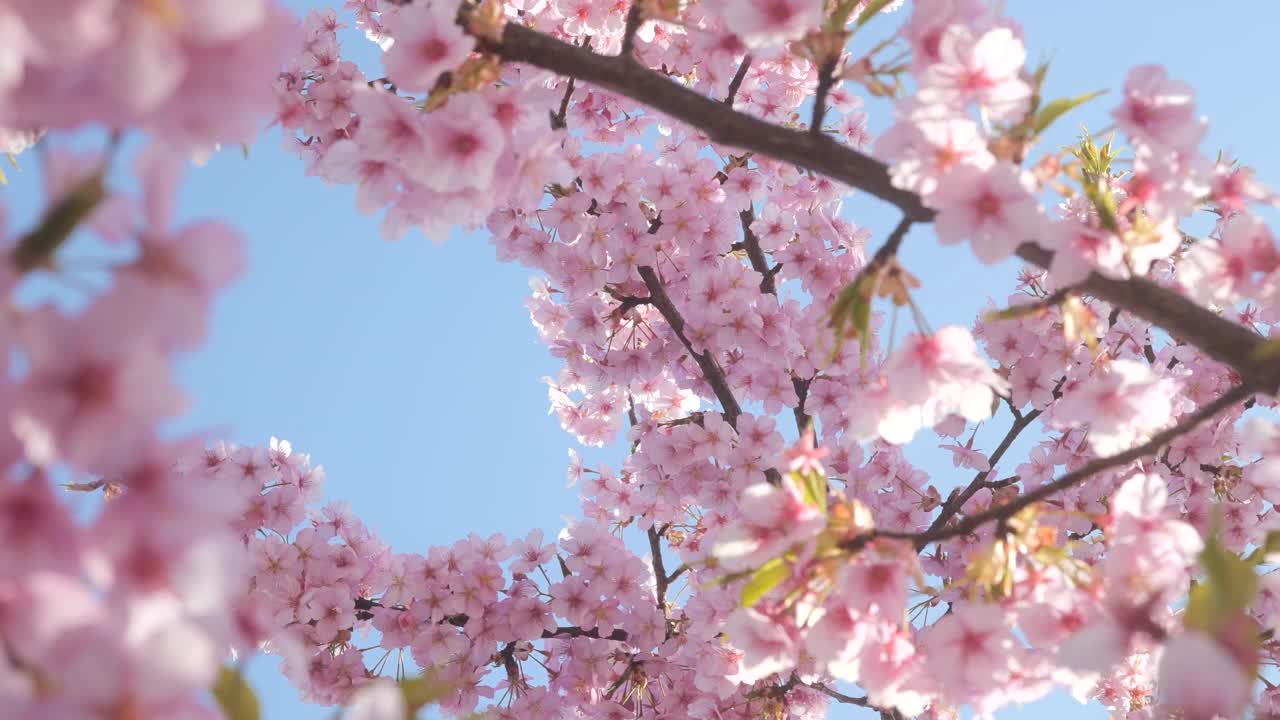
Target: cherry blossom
<point>985,68</point>
<point>995,209</point>
<point>427,43</point>
<point>690,293</point>
<point>772,22</point>
<point>1124,402</point>
<point>1159,109</point>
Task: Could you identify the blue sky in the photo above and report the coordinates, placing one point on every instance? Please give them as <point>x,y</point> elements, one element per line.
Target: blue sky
<point>410,369</point>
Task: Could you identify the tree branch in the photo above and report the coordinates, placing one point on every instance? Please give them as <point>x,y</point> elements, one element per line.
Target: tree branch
<point>838,696</point>
<point>760,263</point>
<point>676,573</point>
<point>755,254</point>
<point>558,119</point>
<point>1011,508</point>
<point>826,79</point>
<point>634,20</point>
<point>659,569</point>
<point>563,631</point>
<point>1217,337</point>
<point>711,370</point>
<point>957,501</point>
<point>736,83</point>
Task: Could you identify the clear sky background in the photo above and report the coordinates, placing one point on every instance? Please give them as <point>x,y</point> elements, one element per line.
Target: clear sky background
<point>411,371</point>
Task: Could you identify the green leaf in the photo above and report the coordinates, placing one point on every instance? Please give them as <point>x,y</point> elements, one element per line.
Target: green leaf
<point>1270,546</point>
<point>421,691</point>
<point>813,489</point>
<point>1228,589</point>
<point>730,578</point>
<point>1013,312</point>
<point>870,11</point>
<point>862,323</point>
<point>1060,107</point>
<point>1105,203</point>
<point>851,312</point>
<point>1037,78</point>
<point>1267,350</point>
<point>764,579</point>
<point>37,247</point>
<point>234,696</point>
<point>244,150</point>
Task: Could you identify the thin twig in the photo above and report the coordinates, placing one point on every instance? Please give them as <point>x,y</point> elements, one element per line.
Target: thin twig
<point>711,370</point>
<point>755,254</point>
<point>736,83</point>
<point>1086,471</point>
<point>839,696</point>
<point>957,500</point>
<point>559,119</point>
<point>634,20</point>
<point>659,570</point>
<point>676,573</point>
<point>760,263</point>
<point>618,634</point>
<point>826,78</point>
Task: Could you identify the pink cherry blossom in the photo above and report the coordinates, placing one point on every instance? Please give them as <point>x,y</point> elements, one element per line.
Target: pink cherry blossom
<point>770,22</point>
<point>767,648</point>
<point>1200,680</point>
<point>685,291</point>
<point>1123,403</point>
<point>1234,268</point>
<point>931,378</point>
<point>773,519</point>
<point>968,649</point>
<point>94,390</point>
<point>427,43</point>
<point>1079,249</point>
<point>462,148</point>
<point>1159,110</point>
<point>925,148</point>
<point>994,209</point>
<point>981,67</point>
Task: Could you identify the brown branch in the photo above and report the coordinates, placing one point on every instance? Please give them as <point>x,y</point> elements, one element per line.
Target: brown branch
<point>711,370</point>
<point>755,254</point>
<point>563,631</point>
<point>803,420</point>
<point>720,122</point>
<point>659,569</point>
<point>558,119</point>
<point>736,83</point>
<point>957,500</point>
<point>760,263</point>
<point>634,20</point>
<point>838,696</point>
<point>826,79</point>
<point>1011,508</point>
<point>676,573</point>
<point>1217,337</point>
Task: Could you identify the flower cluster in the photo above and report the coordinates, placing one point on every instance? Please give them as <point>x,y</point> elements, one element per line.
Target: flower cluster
<point>701,299</point>
<point>131,607</point>
<point>680,275</point>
